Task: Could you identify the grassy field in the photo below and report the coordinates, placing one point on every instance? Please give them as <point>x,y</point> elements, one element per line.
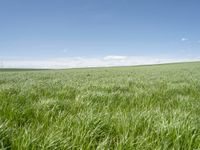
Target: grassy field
<point>143,108</point>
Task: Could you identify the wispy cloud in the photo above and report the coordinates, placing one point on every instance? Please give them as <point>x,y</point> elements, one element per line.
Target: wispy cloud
<point>79,62</point>
<point>64,50</point>
<point>184,39</point>
<point>114,57</point>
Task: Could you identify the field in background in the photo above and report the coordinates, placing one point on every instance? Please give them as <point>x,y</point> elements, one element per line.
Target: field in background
<point>146,107</point>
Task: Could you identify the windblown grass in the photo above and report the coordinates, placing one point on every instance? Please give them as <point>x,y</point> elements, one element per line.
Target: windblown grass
<point>147,107</point>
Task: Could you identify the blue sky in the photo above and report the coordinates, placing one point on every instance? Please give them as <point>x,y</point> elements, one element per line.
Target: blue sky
<point>98,29</point>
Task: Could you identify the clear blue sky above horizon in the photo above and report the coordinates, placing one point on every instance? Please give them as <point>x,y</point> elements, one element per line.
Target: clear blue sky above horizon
<point>96,28</point>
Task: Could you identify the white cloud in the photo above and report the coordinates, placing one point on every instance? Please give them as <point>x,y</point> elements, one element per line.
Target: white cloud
<point>79,62</point>
<point>184,39</point>
<point>114,57</point>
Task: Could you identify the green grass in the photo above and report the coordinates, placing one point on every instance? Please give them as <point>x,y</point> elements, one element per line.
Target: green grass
<point>143,108</point>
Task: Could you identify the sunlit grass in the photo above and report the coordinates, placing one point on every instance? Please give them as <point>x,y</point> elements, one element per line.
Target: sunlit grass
<point>147,107</point>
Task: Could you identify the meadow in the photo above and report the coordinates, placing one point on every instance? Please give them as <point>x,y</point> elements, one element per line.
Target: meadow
<point>143,108</point>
